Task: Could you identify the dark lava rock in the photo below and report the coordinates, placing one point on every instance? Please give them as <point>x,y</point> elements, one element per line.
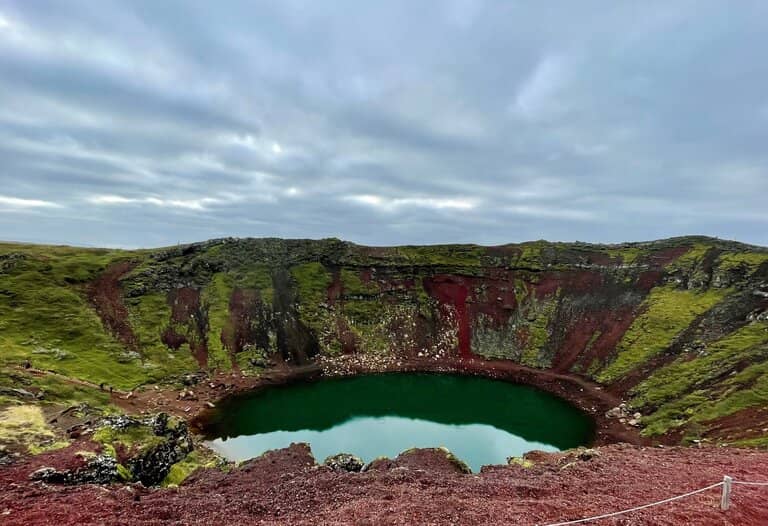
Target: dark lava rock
<point>588,454</point>
<point>120,422</point>
<point>191,379</point>
<point>99,470</point>
<point>160,423</point>
<point>345,462</point>
<point>18,393</point>
<point>153,465</point>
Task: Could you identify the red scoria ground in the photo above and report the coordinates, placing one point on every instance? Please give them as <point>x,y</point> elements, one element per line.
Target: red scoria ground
<point>419,487</point>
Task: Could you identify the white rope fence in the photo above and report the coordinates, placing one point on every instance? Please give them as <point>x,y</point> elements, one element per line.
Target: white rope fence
<point>725,500</point>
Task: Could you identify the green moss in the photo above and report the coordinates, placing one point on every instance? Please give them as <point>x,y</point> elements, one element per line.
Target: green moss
<point>138,438</point>
<point>124,473</point>
<point>534,355</point>
<point>691,258</point>
<point>666,312</point>
<point>749,260</point>
<point>747,389</point>
<point>674,414</point>
<point>448,255</point>
<point>53,445</point>
<point>712,390</point>
<point>216,295</point>
<point>47,319</point>
<point>24,424</point>
<point>149,315</point>
<point>54,389</point>
<point>520,461</point>
<point>757,442</point>
<point>312,281</point>
<point>686,374</point>
<point>256,276</point>
<point>531,254</point>
<point>364,311</point>
<point>354,286</point>
<point>197,459</point>
<point>626,255</point>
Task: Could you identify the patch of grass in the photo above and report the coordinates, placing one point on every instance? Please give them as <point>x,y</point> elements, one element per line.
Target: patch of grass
<point>24,424</point>
<point>627,255</point>
<point>448,255</point>
<point>758,442</point>
<point>689,260</point>
<point>749,260</point>
<point>216,295</point>
<point>197,459</point>
<point>666,312</point>
<point>674,414</point>
<point>364,311</point>
<point>520,461</point>
<point>312,281</point>
<point>735,396</point>
<point>45,317</point>
<point>255,276</point>
<point>149,315</point>
<point>354,286</point>
<point>138,438</point>
<point>686,374</point>
<point>44,447</point>
<point>531,254</point>
<point>55,389</point>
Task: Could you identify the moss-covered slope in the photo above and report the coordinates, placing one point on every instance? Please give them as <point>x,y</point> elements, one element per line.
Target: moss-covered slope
<point>678,327</point>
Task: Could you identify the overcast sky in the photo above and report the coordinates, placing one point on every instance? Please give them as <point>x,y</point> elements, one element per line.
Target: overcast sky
<point>151,123</point>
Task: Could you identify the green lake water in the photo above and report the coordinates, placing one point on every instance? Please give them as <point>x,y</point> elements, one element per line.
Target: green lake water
<point>482,421</point>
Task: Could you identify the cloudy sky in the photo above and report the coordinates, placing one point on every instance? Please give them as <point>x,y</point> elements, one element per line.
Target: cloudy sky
<point>148,123</point>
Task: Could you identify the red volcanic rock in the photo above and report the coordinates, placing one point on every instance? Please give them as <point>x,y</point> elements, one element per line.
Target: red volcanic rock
<point>419,487</point>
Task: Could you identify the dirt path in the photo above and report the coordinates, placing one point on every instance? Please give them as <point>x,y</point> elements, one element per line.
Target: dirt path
<point>68,379</point>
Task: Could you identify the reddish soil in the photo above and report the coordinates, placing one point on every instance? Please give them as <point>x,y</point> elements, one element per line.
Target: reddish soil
<point>106,296</point>
<point>419,487</point>
<point>751,422</point>
<point>453,291</point>
<point>189,324</point>
<point>246,323</point>
<point>582,347</point>
<point>666,256</point>
<point>573,282</point>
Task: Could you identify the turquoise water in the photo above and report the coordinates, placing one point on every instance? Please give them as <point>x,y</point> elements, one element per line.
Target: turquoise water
<point>482,421</point>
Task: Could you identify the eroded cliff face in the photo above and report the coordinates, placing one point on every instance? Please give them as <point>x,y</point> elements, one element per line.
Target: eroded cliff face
<point>678,328</point>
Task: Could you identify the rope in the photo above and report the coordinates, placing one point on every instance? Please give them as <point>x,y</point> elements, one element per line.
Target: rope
<point>605,516</point>
<point>670,499</point>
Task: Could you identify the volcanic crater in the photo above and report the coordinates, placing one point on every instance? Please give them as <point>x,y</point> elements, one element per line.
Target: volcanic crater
<point>114,362</point>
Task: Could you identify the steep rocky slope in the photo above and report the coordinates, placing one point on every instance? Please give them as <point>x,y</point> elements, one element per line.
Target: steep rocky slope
<point>678,328</point>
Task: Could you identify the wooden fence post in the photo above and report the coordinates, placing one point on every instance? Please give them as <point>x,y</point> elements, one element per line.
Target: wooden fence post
<point>725,499</point>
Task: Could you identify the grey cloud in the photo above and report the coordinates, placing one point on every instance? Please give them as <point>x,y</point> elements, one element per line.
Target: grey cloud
<point>141,123</point>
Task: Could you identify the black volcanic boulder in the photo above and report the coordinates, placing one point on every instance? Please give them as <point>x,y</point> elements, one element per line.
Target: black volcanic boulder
<point>153,464</point>
<point>101,469</point>
<point>344,462</point>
